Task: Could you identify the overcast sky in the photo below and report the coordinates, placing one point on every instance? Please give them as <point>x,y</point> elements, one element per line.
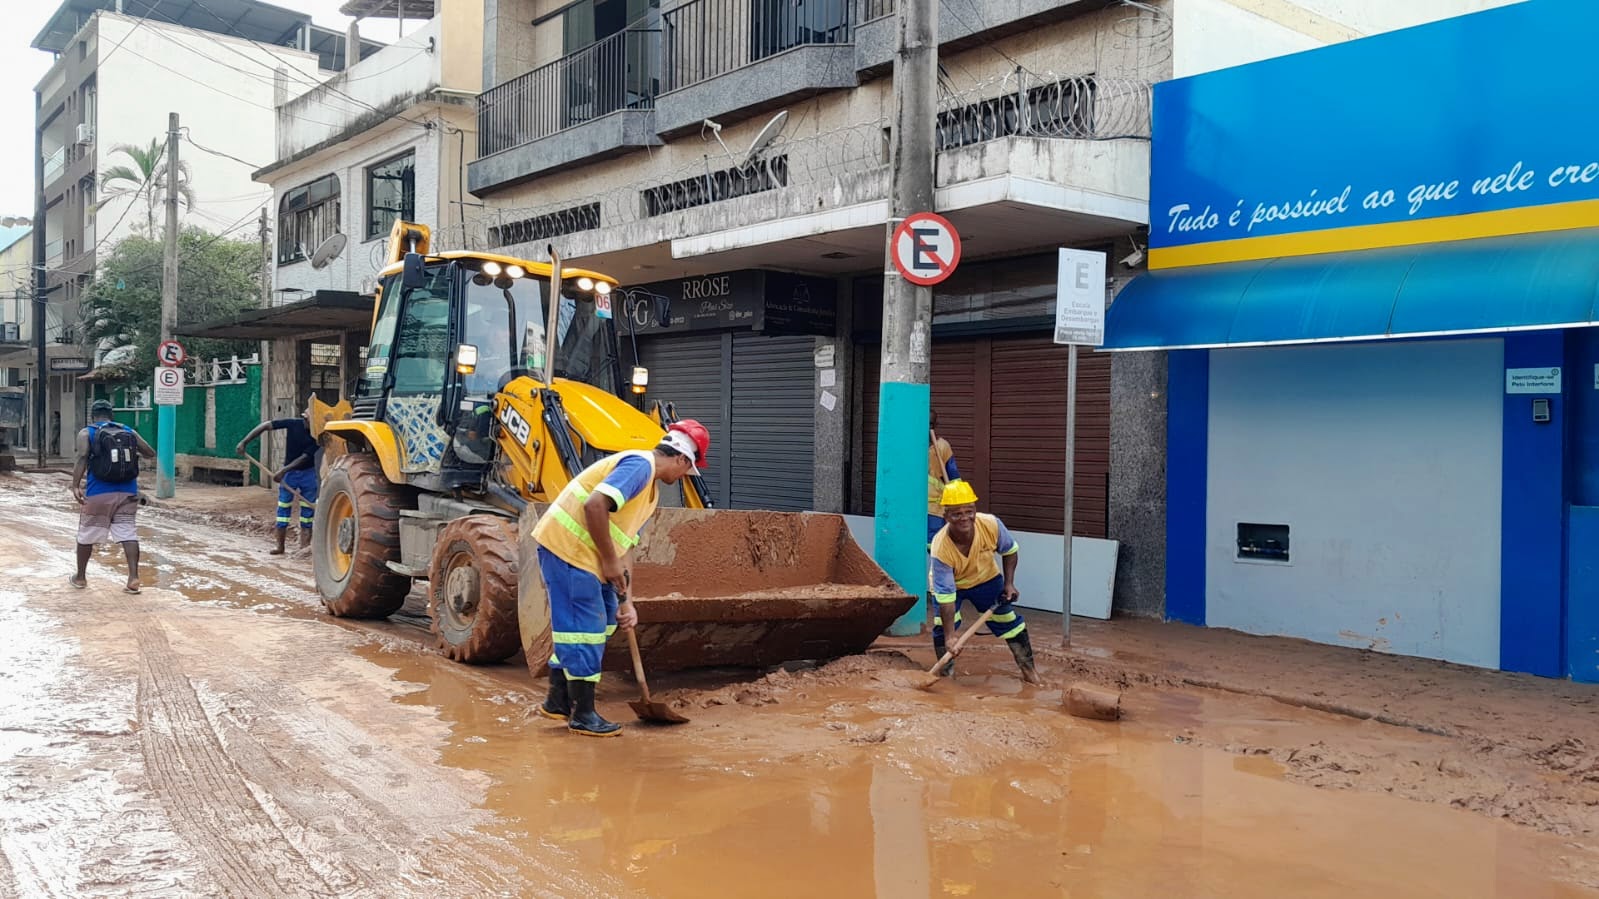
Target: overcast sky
<point>25,66</point>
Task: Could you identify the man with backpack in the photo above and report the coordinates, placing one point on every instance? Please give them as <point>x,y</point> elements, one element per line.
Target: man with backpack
<point>108,452</point>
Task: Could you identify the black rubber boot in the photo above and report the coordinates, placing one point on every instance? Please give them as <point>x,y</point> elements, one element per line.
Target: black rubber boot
<point>1021,646</point>
<point>558,703</point>
<point>584,720</point>
<point>939,648</point>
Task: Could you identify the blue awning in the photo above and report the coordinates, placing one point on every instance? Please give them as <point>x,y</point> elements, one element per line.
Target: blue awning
<point>1524,282</point>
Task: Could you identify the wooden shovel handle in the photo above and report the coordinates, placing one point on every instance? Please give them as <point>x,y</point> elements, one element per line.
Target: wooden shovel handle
<point>250,458</point>
<point>638,665</point>
<point>961,640</point>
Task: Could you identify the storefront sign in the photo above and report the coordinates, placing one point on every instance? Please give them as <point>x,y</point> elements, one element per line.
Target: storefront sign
<point>1532,380</point>
<point>773,302</point>
<point>1344,149</point>
<point>69,363</point>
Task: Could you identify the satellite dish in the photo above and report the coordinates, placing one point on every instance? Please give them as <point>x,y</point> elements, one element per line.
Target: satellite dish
<point>328,251</point>
<point>765,138</point>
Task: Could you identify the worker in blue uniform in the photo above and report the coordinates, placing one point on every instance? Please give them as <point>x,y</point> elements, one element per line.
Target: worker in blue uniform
<point>969,553</point>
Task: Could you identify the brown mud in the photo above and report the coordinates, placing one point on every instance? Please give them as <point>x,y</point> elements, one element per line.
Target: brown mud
<point>217,735</point>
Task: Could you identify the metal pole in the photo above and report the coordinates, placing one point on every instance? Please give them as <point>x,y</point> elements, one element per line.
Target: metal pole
<point>1071,485</point>
<point>41,300</point>
<point>167,415</point>
<point>554,318</point>
<point>901,538</point>
<point>262,475</point>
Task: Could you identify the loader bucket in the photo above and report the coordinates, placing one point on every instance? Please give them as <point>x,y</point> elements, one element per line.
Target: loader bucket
<point>724,588</point>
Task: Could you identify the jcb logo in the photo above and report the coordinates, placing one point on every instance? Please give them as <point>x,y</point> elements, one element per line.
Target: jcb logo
<point>516,424</point>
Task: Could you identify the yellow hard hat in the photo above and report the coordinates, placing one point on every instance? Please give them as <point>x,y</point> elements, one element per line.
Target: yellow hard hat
<point>958,493</point>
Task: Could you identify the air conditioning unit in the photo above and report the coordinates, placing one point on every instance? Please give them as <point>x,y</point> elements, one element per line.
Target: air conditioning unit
<point>85,133</point>
<point>10,332</point>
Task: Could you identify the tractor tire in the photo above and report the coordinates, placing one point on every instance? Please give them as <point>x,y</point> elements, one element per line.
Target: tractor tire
<point>355,536</point>
<point>472,590</point>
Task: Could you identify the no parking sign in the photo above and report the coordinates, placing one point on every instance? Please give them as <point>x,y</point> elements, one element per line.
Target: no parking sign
<point>926,248</point>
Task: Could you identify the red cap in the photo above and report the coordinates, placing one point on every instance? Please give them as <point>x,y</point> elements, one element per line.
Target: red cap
<point>698,435</point>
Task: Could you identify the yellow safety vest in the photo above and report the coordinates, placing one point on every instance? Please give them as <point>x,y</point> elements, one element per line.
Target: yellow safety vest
<point>562,531</point>
<point>938,456</point>
<point>979,566</point>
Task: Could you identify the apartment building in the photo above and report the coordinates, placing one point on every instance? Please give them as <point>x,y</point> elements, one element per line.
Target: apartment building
<point>120,67</point>
<point>387,139</point>
<point>732,155</point>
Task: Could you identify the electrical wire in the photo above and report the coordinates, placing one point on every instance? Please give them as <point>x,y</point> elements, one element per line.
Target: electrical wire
<point>204,149</point>
<point>225,93</point>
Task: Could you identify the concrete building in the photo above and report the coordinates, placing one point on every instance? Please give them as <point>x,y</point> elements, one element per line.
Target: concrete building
<point>221,66</point>
<point>639,137</point>
<point>386,139</point>
<point>1384,371</point>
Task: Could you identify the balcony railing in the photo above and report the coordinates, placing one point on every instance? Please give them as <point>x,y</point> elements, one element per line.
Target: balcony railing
<point>706,38</point>
<point>1028,104</point>
<point>54,163</point>
<point>54,252</point>
<point>618,72</point>
<point>876,9</point>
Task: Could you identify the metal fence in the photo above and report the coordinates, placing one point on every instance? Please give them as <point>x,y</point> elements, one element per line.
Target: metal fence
<point>706,38</point>
<point>619,72</point>
<point>1030,104</point>
<point>876,9</point>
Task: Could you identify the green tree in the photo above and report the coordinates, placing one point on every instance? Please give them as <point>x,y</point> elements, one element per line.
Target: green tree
<point>217,277</point>
<point>144,179</point>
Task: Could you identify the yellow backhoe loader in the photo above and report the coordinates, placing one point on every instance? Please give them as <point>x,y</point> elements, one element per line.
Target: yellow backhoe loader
<point>491,381</point>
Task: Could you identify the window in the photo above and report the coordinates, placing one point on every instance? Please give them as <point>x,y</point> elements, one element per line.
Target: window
<point>307,215</point>
<point>390,194</point>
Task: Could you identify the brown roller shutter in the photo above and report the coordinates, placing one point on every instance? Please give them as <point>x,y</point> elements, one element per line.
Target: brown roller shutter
<point>1012,391</point>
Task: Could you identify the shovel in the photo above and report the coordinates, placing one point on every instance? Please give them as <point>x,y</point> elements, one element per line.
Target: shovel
<point>645,707</point>
<point>296,493</point>
<point>932,673</point>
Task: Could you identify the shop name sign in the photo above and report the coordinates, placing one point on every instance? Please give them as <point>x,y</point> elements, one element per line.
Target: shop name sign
<point>1344,148</point>
<point>772,302</point>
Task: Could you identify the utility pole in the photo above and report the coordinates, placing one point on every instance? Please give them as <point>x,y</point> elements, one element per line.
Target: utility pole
<point>167,414</point>
<point>262,476</point>
<point>41,299</point>
<point>901,544</point>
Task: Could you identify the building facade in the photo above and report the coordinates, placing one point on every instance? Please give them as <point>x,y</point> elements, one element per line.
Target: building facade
<point>1382,402</point>
<point>388,139</point>
<point>115,79</point>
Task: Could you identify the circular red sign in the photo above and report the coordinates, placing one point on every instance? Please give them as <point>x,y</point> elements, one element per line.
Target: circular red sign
<point>170,353</point>
<point>926,248</point>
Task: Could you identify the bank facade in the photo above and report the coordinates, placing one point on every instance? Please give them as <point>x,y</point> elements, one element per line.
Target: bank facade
<point>1376,292</point>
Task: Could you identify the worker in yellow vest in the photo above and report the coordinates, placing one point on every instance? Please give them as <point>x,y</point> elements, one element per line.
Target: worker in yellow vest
<point>964,553</point>
<point>584,576</point>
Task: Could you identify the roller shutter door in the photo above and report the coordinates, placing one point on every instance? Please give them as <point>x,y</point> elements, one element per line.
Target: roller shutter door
<point>688,372</point>
<point>773,435</point>
<point>1012,392</point>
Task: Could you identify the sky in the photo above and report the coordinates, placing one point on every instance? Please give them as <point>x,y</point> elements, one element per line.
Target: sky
<point>25,66</point>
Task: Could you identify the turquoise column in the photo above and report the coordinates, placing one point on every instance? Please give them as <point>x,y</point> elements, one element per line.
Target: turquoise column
<point>166,451</point>
<point>901,521</point>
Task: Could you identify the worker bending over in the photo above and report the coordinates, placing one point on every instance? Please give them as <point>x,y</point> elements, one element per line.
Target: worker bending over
<point>940,471</point>
<point>587,578</point>
<point>964,569</point>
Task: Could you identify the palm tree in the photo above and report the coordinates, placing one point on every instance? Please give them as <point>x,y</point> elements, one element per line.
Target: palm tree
<point>146,178</point>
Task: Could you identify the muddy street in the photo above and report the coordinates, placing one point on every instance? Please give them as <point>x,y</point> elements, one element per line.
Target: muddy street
<point>216,735</point>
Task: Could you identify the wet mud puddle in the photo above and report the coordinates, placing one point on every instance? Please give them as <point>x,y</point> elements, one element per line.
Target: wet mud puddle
<point>845,782</point>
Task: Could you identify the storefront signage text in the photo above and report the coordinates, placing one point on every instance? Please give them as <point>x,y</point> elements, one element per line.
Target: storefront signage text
<point>1532,380</point>
<point>772,302</point>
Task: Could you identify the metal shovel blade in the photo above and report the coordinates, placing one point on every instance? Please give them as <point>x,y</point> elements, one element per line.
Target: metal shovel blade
<point>658,712</point>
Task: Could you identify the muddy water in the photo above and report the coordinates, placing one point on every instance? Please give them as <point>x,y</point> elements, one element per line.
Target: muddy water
<point>843,782</point>
<point>857,791</point>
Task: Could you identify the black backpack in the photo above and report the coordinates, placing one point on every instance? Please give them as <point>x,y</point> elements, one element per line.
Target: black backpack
<point>113,453</point>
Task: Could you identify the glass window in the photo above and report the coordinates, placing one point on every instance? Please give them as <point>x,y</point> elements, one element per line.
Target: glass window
<point>411,337</point>
<point>307,215</point>
<point>390,194</point>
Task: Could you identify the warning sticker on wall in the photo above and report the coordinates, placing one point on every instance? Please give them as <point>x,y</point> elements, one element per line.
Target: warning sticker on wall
<point>1532,380</point>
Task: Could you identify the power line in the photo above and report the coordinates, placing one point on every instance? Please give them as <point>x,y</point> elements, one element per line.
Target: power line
<point>204,149</point>
<point>224,93</point>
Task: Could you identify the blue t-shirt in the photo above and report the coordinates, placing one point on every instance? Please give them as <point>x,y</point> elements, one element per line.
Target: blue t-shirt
<point>627,480</point>
<point>94,486</point>
<point>297,441</point>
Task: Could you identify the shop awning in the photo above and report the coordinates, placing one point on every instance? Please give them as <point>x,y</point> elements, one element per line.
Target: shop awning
<point>1524,282</point>
<point>327,310</point>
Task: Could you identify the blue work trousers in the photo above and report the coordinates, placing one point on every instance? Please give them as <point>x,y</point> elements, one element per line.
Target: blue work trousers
<point>1007,623</point>
<point>582,616</point>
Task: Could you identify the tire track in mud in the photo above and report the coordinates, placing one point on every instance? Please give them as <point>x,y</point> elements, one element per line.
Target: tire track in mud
<point>204,792</point>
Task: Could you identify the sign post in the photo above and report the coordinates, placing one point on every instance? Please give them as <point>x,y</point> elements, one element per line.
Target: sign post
<point>1079,320</point>
<point>168,396</point>
<point>923,250</point>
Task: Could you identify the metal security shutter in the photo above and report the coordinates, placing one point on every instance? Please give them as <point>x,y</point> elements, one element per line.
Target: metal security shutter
<point>773,435</point>
<point>688,371</point>
<point>1012,392</point>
